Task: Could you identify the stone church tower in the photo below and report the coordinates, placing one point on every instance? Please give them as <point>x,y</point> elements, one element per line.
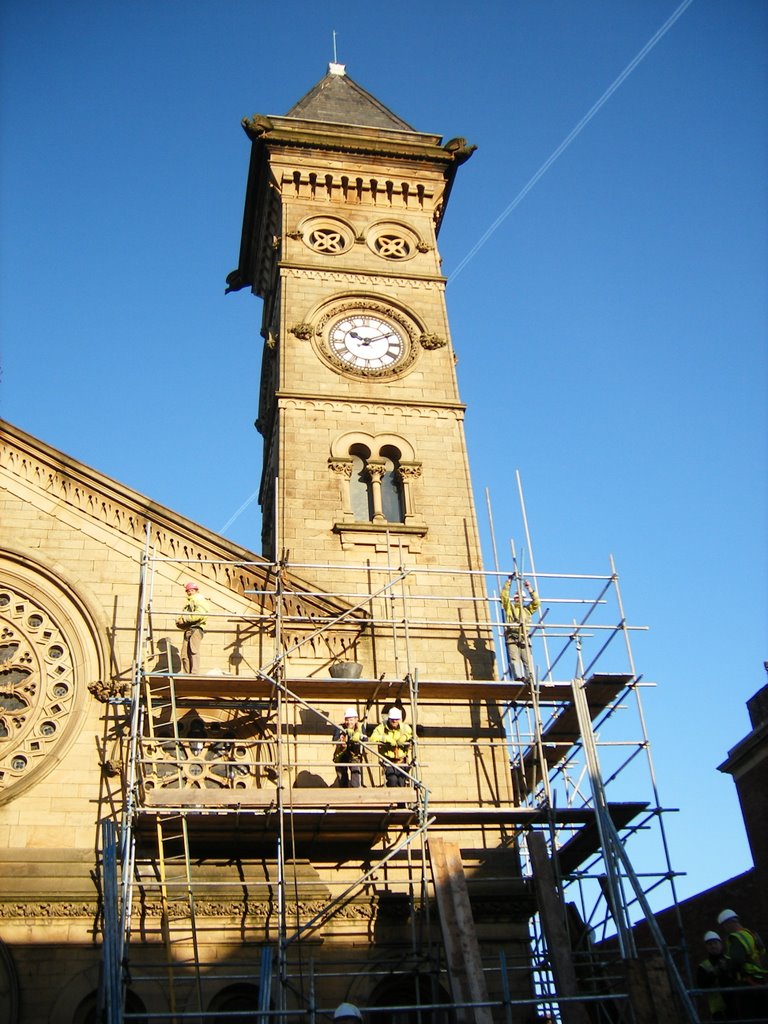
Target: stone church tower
<point>359,406</point>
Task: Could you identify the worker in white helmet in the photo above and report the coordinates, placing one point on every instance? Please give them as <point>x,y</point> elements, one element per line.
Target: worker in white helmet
<point>394,739</point>
<point>347,1012</point>
<point>746,956</point>
<point>714,973</point>
<point>348,739</point>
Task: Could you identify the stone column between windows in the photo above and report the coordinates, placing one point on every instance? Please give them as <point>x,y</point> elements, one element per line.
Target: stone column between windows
<point>407,472</point>
<point>343,470</point>
<point>376,468</point>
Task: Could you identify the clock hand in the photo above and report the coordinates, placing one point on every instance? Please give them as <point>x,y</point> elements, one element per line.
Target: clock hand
<point>367,341</point>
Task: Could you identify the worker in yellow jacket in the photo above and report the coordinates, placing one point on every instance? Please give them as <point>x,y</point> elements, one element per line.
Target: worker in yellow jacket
<point>395,740</point>
<point>714,973</point>
<point>746,955</point>
<point>517,618</point>
<point>192,620</point>
<point>348,739</point>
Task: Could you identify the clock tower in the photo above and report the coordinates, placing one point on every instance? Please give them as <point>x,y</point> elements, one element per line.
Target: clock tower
<point>364,451</point>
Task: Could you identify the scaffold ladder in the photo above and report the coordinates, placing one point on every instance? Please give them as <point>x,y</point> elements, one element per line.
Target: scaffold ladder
<point>616,860</point>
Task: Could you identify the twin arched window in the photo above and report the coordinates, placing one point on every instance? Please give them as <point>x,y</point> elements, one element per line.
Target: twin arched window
<point>375,486</point>
<point>376,475</point>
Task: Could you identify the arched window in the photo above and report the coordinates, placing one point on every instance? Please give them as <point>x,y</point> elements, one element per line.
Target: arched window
<point>391,486</point>
<point>87,1011</point>
<point>234,1004</point>
<point>377,477</point>
<point>412,991</point>
<point>360,494</point>
<point>375,490</point>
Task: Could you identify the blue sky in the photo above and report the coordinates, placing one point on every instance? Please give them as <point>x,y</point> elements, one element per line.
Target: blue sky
<point>611,331</point>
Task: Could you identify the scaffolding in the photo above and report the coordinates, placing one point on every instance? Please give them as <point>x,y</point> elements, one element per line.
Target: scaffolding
<point>240,883</point>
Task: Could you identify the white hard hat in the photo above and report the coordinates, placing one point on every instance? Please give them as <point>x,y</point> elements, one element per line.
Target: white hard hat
<point>350,712</point>
<point>711,937</point>
<point>394,713</point>
<point>347,1010</point>
<point>726,915</point>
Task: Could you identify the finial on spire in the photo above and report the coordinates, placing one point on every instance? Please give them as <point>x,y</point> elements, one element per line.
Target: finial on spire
<point>334,68</point>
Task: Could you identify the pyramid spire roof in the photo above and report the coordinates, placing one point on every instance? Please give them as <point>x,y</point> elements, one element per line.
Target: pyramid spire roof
<point>338,99</point>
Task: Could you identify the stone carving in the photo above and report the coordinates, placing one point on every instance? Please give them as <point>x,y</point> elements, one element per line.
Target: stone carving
<point>460,149</point>
<point>104,692</point>
<point>432,341</point>
<point>410,470</point>
<point>341,466</point>
<point>375,469</point>
<point>303,331</point>
<point>257,125</point>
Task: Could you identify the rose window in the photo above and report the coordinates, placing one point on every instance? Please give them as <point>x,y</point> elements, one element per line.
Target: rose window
<point>210,755</point>
<point>37,685</point>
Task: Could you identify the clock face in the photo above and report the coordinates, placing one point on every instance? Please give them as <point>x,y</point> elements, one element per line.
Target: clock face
<point>366,342</point>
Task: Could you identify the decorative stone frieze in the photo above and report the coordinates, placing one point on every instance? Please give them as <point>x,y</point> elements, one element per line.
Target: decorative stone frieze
<point>11,911</point>
<point>353,189</point>
<point>405,410</point>
<point>260,910</point>
<point>353,279</point>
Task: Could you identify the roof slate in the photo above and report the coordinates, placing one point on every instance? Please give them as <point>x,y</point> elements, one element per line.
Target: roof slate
<point>337,99</point>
